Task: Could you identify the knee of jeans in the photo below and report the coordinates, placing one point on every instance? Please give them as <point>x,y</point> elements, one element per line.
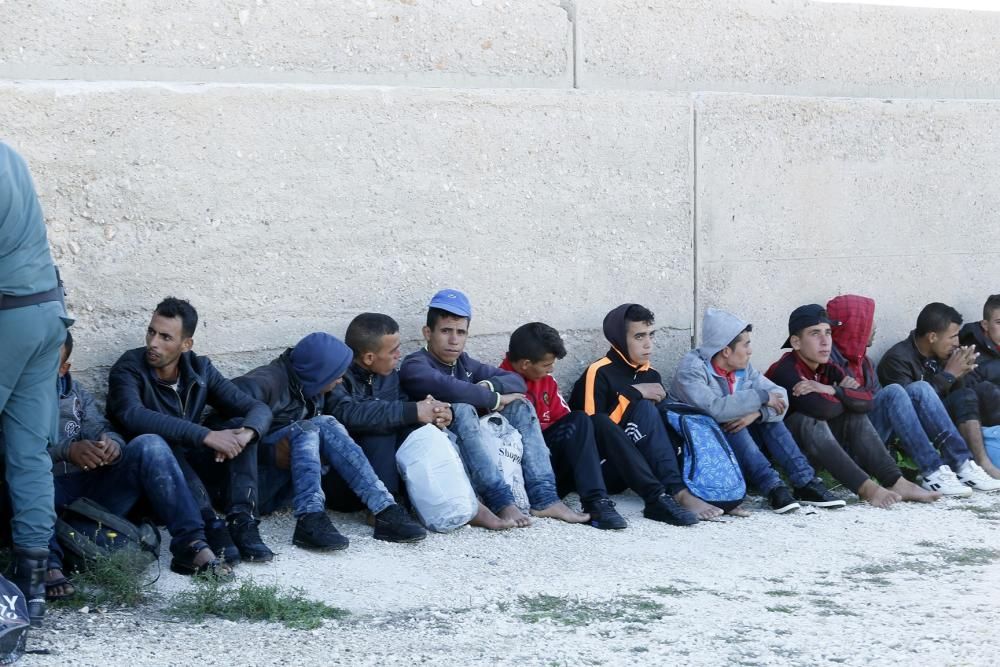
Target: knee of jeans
<point>149,440</point>
<point>896,392</point>
<point>304,426</point>
<point>921,389</point>
<point>463,411</point>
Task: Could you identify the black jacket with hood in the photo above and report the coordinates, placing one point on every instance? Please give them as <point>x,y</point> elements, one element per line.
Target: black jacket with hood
<point>606,386</point>
<point>366,402</point>
<point>988,363</point>
<point>277,386</point>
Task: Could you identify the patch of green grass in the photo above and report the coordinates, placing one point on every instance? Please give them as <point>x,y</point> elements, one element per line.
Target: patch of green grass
<point>927,544</point>
<point>780,593</point>
<point>970,556</point>
<point>121,579</point>
<point>986,513</point>
<point>250,601</point>
<point>571,611</point>
<point>669,591</point>
<point>828,607</point>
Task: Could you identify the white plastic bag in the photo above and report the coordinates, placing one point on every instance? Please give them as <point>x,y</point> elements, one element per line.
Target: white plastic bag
<point>504,442</point>
<point>436,481</point>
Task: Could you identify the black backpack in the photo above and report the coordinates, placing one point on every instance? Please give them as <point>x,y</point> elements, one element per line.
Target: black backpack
<point>86,531</point>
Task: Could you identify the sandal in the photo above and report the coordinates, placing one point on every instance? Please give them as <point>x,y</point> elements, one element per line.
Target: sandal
<point>185,564</point>
<point>52,585</point>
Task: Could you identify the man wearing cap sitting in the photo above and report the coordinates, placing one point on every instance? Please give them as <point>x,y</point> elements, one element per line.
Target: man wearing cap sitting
<point>444,370</point>
<point>827,414</point>
<point>303,443</point>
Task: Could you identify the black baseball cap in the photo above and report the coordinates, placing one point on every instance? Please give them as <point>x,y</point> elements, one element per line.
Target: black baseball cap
<point>804,317</point>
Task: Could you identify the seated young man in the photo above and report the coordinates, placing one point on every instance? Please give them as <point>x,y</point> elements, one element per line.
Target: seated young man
<point>375,411</point>
<point>620,391</point>
<point>719,379</point>
<point>913,413</point>
<point>303,440</point>
<point>162,389</point>
<point>576,455</point>
<point>932,353</point>
<point>827,414</point>
<point>444,370</point>
<point>90,460</point>
<point>985,337</point>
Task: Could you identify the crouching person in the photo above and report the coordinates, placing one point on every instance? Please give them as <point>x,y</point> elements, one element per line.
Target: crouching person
<point>303,443</point>
<point>92,461</point>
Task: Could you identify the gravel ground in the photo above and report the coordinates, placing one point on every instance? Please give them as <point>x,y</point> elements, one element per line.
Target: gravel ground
<point>909,585</point>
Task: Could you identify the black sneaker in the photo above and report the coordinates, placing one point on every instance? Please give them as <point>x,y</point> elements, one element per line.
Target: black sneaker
<point>668,510</point>
<point>315,531</point>
<point>220,542</point>
<point>816,494</point>
<point>394,524</point>
<point>782,500</point>
<point>243,528</point>
<point>603,515</point>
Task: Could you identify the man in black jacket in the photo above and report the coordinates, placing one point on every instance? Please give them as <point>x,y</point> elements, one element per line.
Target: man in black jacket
<point>932,353</point>
<point>985,337</point>
<point>372,406</point>
<point>163,389</point>
<point>304,443</point>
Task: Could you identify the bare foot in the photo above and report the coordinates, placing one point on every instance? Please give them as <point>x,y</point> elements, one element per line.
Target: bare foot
<point>990,469</point>
<point>511,513</point>
<point>878,496</point>
<point>59,591</point>
<point>915,494</point>
<point>560,511</point>
<point>701,509</point>
<point>486,519</point>
<point>738,511</point>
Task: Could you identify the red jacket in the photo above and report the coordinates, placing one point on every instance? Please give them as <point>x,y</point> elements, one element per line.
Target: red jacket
<point>544,395</point>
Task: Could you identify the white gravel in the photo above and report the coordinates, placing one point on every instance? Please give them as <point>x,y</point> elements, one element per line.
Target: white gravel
<point>910,585</point>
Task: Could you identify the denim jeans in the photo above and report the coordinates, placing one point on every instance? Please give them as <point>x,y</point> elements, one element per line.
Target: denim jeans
<point>779,443</point>
<point>316,445</point>
<point>147,468</point>
<point>231,484</point>
<point>916,416</point>
<point>481,464</point>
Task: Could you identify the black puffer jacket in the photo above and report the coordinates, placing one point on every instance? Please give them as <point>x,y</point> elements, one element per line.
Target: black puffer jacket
<point>903,364</point>
<point>139,402</point>
<point>988,363</point>
<point>368,403</point>
<point>277,386</point>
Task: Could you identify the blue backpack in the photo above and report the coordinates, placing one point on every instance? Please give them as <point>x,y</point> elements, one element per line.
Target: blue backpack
<point>709,467</point>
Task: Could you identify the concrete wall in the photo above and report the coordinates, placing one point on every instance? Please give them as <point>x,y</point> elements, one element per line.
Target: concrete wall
<point>288,165</point>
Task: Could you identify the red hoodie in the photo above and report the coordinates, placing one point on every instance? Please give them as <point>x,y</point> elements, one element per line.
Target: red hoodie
<point>544,395</point>
<point>857,317</point>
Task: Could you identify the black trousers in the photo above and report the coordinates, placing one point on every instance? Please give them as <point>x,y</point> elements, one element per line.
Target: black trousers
<point>576,461</point>
<point>637,453</point>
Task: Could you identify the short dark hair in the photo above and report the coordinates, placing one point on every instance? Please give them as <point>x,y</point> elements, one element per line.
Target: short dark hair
<point>637,313</point>
<point>992,304</point>
<point>435,314</point>
<point>534,340</point>
<point>173,307</point>
<point>935,318</point>
<point>733,342</point>
<point>365,332</point>
<point>68,344</point>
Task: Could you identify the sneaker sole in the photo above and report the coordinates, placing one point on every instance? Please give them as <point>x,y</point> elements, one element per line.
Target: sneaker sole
<point>263,559</point>
<point>599,526</point>
<point>981,490</point>
<point>673,522</point>
<point>826,504</point>
<point>301,544</point>
<point>405,540</point>
<point>964,493</point>
<point>787,508</point>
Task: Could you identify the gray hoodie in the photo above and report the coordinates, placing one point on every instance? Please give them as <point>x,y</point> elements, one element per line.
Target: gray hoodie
<point>697,383</point>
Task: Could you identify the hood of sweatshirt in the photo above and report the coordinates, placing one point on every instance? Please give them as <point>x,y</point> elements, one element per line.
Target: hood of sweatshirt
<point>616,330</point>
<point>972,334</point>
<point>718,329</point>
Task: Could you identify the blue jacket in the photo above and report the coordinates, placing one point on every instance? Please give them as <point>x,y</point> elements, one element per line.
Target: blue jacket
<point>139,402</point>
<point>369,403</point>
<point>421,374</point>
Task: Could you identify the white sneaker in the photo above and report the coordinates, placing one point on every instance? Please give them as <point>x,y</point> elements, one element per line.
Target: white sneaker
<point>972,475</point>
<point>944,481</point>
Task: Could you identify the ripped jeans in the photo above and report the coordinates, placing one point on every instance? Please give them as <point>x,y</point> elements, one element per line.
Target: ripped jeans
<point>313,446</point>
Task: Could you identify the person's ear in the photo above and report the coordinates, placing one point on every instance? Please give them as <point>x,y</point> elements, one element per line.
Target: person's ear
<point>427,333</point>
<point>796,342</point>
<point>984,324</point>
<point>521,365</point>
<point>367,359</point>
<point>187,344</point>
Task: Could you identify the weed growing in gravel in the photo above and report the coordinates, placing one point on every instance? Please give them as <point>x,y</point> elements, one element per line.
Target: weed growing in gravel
<point>121,578</point>
<point>778,593</point>
<point>970,556</point>
<point>250,601</point>
<point>987,513</point>
<point>828,607</point>
<point>566,610</point>
<point>671,591</point>
<point>783,609</point>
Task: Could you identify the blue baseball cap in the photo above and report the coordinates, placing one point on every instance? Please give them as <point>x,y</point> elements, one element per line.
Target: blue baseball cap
<point>452,301</point>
